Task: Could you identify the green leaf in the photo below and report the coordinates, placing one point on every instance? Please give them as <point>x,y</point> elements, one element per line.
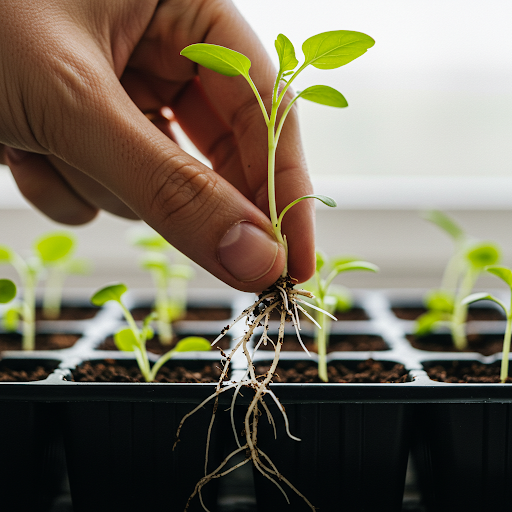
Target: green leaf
<point>503,273</point>
<point>474,297</point>
<point>330,50</point>
<point>324,95</point>
<point>6,254</point>
<point>54,247</point>
<point>181,272</point>
<point>428,321</point>
<point>355,265</point>
<point>125,340</point>
<point>218,58</point>
<point>440,300</point>
<point>111,292</point>
<point>192,344</point>
<point>483,254</point>
<point>7,291</point>
<point>286,54</point>
<point>78,266</point>
<point>448,225</point>
<point>148,239</point>
<point>11,318</point>
<point>154,261</point>
<point>342,297</point>
<point>320,260</point>
<point>329,201</point>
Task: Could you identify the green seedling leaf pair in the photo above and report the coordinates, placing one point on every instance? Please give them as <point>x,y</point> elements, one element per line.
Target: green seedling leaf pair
<point>52,256</point>
<point>328,50</point>
<point>170,276</point>
<point>330,298</point>
<point>133,339</point>
<point>445,306</point>
<point>505,274</point>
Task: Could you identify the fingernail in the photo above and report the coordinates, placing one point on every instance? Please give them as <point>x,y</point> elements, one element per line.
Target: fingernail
<point>247,252</point>
<point>15,155</point>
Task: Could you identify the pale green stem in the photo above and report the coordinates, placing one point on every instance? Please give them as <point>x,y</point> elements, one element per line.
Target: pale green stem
<point>506,345</point>
<point>52,296</point>
<point>161,361</point>
<point>321,342</point>
<point>164,327</point>
<point>258,97</point>
<point>460,311</point>
<point>29,312</point>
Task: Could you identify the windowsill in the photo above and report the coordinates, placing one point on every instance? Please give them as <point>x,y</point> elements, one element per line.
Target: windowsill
<point>372,192</point>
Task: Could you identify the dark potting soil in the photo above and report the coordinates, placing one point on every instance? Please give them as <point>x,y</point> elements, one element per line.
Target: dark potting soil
<point>154,345</point>
<point>467,372</point>
<point>191,314</point>
<point>368,371</point>
<point>11,375</point>
<point>54,341</point>
<point>110,371</point>
<point>474,314</point>
<point>337,342</point>
<point>70,313</point>
<point>485,344</point>
<point>350,315</point>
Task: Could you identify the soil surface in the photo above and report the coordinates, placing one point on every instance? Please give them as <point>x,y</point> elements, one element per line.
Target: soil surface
<point>467,372</point>
<point>154,345</point>
<point>192,314</point>
<point>10,375</point>
<point>368,371</point>
<point>338,342</point>
<point>110,371</point>
<point>474,314</point>
<point>55,341</point>
<point>70,313</point>
<point>485,344</point>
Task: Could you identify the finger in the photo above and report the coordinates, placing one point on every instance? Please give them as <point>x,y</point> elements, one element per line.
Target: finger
<point>43,186</point>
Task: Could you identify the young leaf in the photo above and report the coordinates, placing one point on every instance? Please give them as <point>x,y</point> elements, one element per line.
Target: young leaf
<point>474,297</point>
<point>330,50</point>
<point>5,254</point>
<point>218,58</point>
<point>483,254</point>
<point>329,201</point>
<point>181,272</point>
<point>440,300</point>
<point>324,95</point>
<point>355,265</point>
<point>7,291</point>
<point>342,297</point>
<point>445,223</point>
<point>503,273</point>
<point>111,292</point>
<point>192,343</point>
<point>149,239</point>
<point>54,246</point>
<point>125,340</point>
<point>320,260</point>
<point>426,322</point>
<point>286,54</point>
<point>154,261</point>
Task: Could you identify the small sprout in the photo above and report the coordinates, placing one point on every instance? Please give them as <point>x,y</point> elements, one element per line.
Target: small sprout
<point>328,50</point>
<point>505,274</point>
<point>55,251</point>
<point>329,298</point>
<point>133,339</point>
<point>445,306</point>
<point>170,276</point>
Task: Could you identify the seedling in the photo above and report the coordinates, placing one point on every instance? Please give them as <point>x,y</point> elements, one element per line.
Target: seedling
<point>170,278</point>
<point>328,297</point>
<point>133,339</point>
<point>328,50</point>
<point>7,291</point>
<point>505,274</point>
<point>445,306</point>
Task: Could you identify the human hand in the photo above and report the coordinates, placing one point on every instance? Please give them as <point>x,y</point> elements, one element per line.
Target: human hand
<point>77,77</point>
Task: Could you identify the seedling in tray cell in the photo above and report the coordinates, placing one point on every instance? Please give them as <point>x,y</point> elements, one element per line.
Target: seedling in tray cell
<point>328,50</point>
<point>51,257</point>
<point>505,274</point>
<point>446,305</point>
<point>170,276</point>
<point>331,298</point>
<point>133,339</point>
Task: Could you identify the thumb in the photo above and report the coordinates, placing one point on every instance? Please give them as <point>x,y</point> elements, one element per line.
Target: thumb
<point>195,209</point>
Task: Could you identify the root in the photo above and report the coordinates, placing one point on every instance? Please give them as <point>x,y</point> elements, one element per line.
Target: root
<point>283,298</point>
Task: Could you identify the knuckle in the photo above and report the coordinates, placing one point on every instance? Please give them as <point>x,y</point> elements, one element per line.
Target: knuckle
<point>185,197</point>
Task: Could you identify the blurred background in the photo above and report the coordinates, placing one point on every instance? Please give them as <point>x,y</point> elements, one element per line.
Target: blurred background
<point>429,125</point>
